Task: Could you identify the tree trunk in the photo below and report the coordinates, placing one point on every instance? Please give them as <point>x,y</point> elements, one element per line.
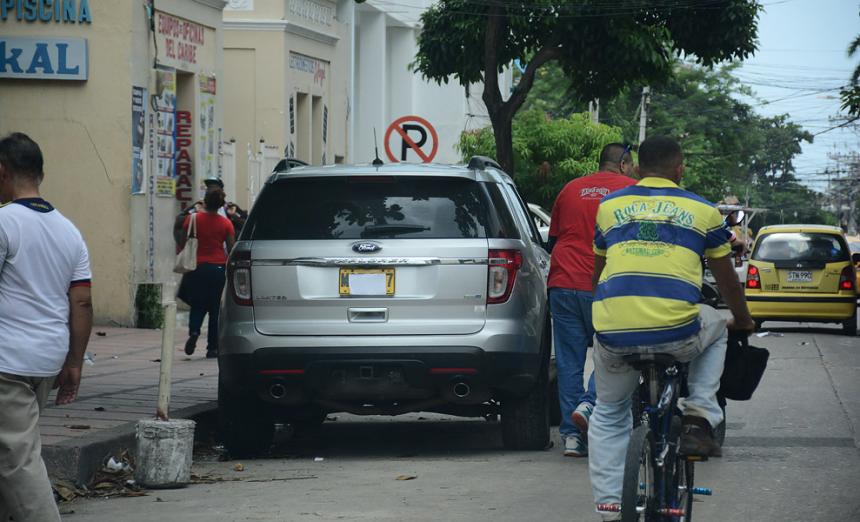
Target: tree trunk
<point>502,112</point>
<point>503,132</point>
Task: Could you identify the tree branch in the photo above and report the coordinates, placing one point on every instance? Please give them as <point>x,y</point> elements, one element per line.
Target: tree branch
<point>545,54</point>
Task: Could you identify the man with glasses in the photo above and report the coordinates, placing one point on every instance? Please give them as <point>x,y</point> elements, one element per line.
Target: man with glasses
<point>570,293</point>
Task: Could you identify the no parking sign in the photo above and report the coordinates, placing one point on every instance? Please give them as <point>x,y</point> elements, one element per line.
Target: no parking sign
<point>411,136</point>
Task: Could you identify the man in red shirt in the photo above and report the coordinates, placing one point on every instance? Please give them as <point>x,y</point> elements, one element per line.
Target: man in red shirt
<point>571,235</point>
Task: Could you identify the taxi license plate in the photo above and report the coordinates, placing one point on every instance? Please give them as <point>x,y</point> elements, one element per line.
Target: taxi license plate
<point>799,276</point>
<point>366,282</point>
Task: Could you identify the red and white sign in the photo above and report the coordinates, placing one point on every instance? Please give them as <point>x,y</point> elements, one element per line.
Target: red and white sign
<point>411,138</point>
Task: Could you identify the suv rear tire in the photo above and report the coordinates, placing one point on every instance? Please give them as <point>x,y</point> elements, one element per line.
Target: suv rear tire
<point>247,426</point>
<point>525,421</point>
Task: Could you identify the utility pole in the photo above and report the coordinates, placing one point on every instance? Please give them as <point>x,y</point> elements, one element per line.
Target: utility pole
<point>643,116</point>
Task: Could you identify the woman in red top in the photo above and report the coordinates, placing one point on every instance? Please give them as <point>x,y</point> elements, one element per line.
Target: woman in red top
<point>201,289</point>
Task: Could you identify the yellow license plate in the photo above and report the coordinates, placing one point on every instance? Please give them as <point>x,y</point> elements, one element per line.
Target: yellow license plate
<point>366,282</point>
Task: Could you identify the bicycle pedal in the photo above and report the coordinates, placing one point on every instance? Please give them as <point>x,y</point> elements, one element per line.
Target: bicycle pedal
<point>671,512</point>
<point>609,508</point>
<point>703,491</point>
<point>696,458</point>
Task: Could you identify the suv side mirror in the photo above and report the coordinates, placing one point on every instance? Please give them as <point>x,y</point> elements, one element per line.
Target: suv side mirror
<point>855,258</point>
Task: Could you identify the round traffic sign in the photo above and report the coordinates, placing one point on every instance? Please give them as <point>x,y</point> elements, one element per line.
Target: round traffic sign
<point>401,137</point>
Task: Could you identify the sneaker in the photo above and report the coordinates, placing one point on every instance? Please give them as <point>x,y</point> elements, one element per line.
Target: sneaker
<point>580,417</point>
<point>575,446</point>
<point>190,344</point>
<point>697,438</point>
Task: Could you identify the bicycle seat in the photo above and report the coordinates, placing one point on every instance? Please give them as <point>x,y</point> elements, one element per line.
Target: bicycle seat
<point>639,361</point>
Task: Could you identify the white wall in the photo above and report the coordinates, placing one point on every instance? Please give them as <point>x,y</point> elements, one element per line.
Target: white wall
<point>385,88</point>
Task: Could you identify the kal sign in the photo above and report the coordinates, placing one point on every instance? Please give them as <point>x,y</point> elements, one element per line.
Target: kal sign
<point>39,58</point>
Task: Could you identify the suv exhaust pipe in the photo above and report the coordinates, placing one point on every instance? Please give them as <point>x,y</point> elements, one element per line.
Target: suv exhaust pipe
<point>277,391</point>
<point>461,390</point>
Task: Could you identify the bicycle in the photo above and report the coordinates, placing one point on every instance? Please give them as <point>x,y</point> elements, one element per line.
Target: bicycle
<point>658,480</point>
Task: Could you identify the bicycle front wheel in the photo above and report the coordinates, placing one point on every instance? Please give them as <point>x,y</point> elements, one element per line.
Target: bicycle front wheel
<point>638,496</point>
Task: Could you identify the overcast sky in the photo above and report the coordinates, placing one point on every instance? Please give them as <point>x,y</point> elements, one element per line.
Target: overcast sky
<point>798,69</point>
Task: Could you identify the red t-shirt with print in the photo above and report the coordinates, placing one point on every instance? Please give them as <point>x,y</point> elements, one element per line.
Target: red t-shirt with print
<point>574,215</point>
<point>212,231</point>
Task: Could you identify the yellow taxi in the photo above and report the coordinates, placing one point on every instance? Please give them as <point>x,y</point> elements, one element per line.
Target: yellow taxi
<point>802,273</point>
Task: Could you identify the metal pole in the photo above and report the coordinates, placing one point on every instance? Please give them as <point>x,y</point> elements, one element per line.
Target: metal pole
<point>166,370</point>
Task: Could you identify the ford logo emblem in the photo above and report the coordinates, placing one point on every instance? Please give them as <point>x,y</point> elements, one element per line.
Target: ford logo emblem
<point>366,248</point>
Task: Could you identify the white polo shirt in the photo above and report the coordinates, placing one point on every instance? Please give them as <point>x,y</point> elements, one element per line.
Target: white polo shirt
<point>42,255</point>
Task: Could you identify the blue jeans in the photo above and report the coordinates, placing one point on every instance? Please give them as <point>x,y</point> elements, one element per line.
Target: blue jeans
<point>611,422</point>
<point>572,331</point>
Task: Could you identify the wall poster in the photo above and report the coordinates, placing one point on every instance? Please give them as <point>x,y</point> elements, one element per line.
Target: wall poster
<point>138,119</point>
<point>206,131</point>
<point>165,103</point>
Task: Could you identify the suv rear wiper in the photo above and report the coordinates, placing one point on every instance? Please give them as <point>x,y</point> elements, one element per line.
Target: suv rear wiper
<point>393,229</point>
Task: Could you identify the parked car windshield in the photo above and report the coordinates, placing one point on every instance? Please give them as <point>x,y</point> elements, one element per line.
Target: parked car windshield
<point>370,207</point>
<point>800,246</point>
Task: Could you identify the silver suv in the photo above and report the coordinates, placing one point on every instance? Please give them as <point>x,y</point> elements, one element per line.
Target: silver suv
<point>382,290</point>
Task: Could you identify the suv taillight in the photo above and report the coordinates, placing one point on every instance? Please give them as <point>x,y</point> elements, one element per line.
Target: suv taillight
<point>753,280</point>
<point>504,265</point>
<point>846,278</point>
<point>239,277</point>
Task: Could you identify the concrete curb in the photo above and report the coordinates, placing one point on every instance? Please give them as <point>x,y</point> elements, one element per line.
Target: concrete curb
<point>78,459</point>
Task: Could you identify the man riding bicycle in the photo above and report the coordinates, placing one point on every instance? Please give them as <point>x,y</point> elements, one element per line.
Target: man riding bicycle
<point>647,275</point>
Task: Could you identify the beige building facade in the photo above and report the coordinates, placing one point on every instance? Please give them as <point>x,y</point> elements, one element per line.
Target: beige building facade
<point>125,100</point>
<point>287,83</point>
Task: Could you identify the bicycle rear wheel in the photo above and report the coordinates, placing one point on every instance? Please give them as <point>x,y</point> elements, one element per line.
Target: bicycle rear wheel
<point>638,493</point>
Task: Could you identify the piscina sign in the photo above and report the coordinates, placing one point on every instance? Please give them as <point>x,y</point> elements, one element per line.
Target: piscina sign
<point>39,58</point>
<point>57,11</point>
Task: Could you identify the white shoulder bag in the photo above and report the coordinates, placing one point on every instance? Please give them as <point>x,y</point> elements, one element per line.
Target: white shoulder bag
<point>186,260</point>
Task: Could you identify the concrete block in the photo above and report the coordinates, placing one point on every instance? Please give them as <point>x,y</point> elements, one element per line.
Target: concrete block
<point>164,452</point>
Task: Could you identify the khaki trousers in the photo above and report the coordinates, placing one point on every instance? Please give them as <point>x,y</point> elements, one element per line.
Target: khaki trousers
<point>25,490</point>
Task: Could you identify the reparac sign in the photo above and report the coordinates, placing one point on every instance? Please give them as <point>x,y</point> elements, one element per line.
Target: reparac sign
<point>38,58</point>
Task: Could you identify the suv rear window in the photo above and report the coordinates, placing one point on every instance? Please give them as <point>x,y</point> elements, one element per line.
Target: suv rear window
<point>798,247</point>
<point>369,207</point>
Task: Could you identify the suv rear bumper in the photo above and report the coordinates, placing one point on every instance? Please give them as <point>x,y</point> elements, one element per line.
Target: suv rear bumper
<point>392,378</point>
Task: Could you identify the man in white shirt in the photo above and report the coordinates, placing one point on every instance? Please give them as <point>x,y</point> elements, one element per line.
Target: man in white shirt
<point>45,322</point>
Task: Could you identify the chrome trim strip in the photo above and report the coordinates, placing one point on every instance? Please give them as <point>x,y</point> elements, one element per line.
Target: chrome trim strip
<point>370,261</point>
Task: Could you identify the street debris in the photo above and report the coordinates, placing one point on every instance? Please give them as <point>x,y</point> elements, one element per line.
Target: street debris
<point>406,477</point>
<point>802,343</point>
<point>77,426</point>
<point>101,334</point>
<point>89,359</point>
<point>238,467</point>
<point>318,459</point>
<point>769,334</point>
<point>99,408</point>
<point>112,480</point>
<point>157,360</point>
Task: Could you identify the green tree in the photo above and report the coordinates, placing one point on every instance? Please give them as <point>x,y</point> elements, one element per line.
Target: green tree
<point>548,152</point>
<point>601,46</point>
<point>729,148</point>
<point>851,93</point>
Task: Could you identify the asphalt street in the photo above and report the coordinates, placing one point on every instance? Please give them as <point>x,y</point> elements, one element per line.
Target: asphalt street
<point>791,454</point>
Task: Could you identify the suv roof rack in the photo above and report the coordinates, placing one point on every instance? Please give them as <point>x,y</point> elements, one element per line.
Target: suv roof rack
<point>482,162</point>
<point>288,163</point>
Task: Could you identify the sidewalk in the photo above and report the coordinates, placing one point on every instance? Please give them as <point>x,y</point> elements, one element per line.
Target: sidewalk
<point>117,389</point>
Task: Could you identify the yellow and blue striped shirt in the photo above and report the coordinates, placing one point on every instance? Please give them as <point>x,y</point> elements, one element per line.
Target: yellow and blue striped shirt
<point>653,235</point>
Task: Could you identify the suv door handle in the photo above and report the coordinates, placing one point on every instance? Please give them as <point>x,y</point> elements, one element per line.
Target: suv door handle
<point>368,315</point>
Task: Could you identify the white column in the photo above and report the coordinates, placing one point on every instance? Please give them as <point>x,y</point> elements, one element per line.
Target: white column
<point>401,52</point>
<point>372,85</point>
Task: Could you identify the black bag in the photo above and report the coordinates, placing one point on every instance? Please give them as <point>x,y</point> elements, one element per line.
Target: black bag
<point>743,370</point>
